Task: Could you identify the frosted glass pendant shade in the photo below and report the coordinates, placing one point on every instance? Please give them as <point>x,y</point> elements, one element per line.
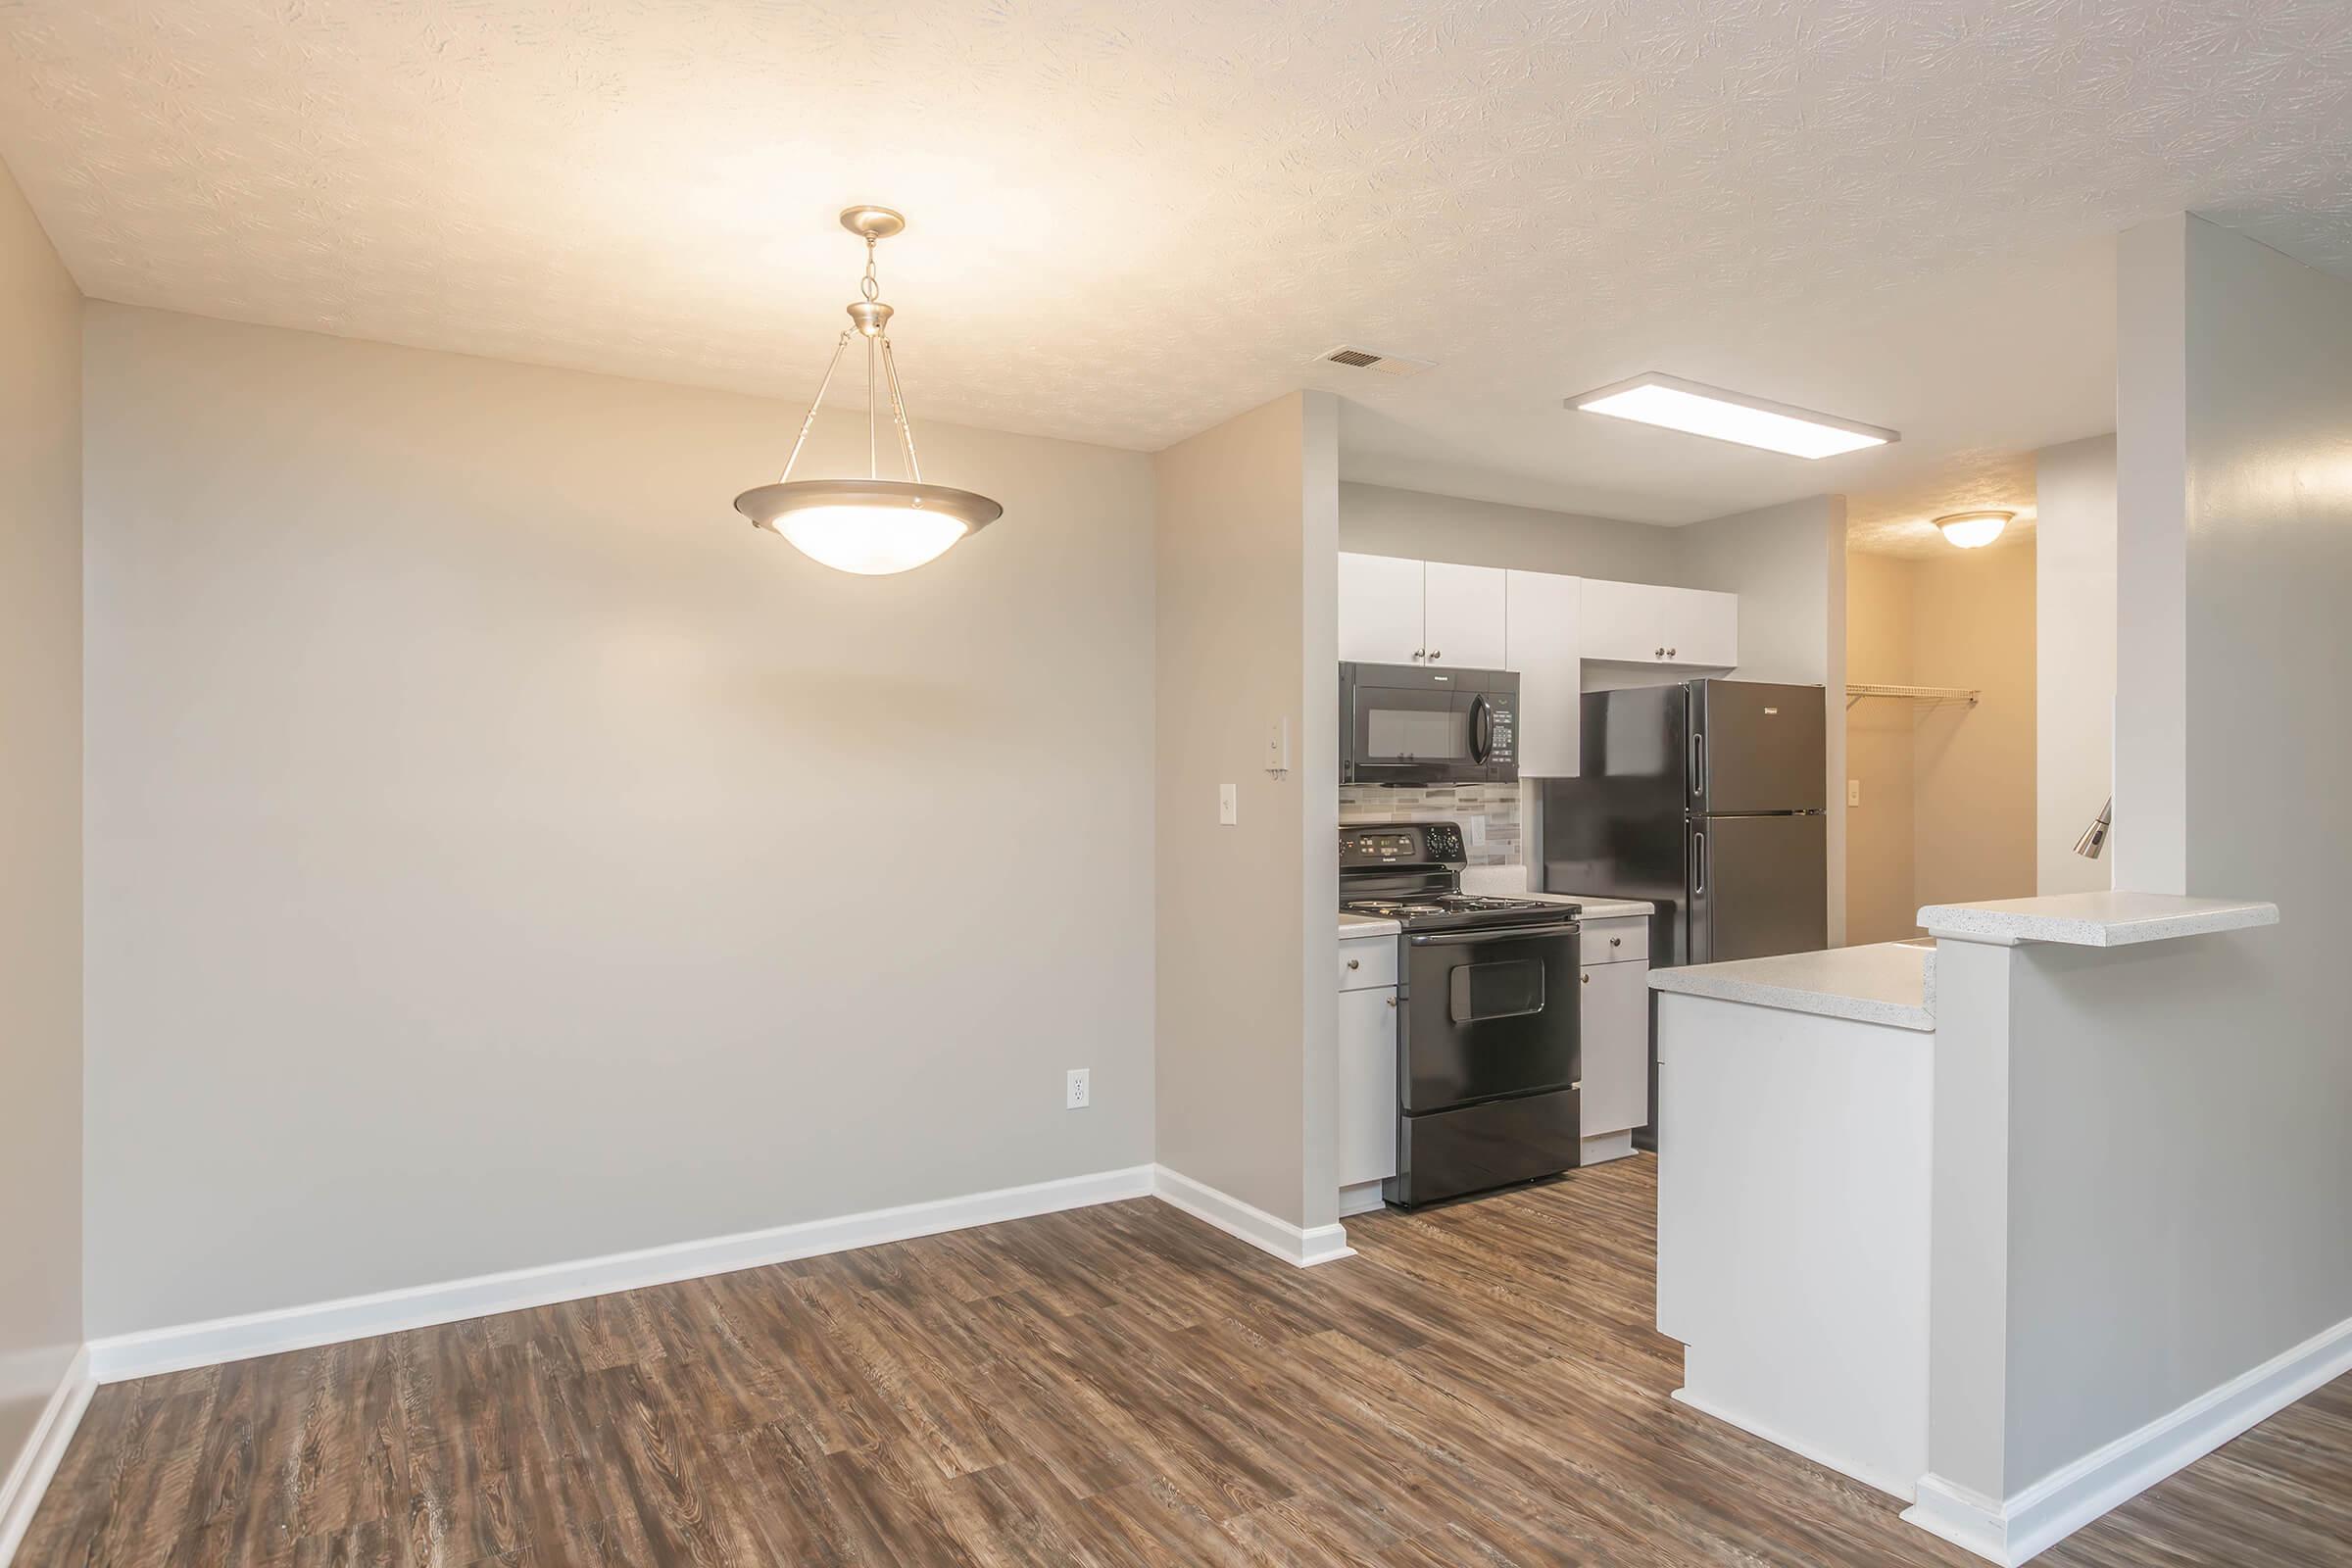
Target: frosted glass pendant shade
<point>872,527</point>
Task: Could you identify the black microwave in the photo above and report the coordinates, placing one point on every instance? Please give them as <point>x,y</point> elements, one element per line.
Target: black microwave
<point>1415,724</point>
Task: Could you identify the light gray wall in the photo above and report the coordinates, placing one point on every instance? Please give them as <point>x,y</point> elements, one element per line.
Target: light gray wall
<point>1377,520</point>
<point>2150,847</point>
<point>501,854</point>
<point>2074,637</point>
<point>40,821</point>
<point>1246,584</point>
<point>2179,1160</point>
<point>1788,566</point>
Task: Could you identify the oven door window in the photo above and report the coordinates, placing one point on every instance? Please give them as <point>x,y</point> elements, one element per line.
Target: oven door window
<point>1477,993</point>
<point>1395,727</point>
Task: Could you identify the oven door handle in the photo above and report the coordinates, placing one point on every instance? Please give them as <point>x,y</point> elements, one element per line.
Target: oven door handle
<point>1506,933</point>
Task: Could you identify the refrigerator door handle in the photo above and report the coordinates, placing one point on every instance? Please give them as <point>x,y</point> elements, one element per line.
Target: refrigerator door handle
<point>1698,764</point>
<point>1699,864</point>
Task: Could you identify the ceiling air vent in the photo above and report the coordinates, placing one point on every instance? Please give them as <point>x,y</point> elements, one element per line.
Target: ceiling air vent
<point>1369,360</point>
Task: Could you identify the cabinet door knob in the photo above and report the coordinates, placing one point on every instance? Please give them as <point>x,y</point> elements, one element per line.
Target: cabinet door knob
<point>1661,651</point>
<point>1614,942</point>
<point>1671,652</point>
<point>1355,963</point>
<point>1420,652</point>
<point>1587,977</point>
<point>1392,1001</point>
<point>1435,654</point>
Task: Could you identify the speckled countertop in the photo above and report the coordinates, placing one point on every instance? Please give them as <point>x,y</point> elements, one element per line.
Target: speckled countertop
<point>1366,925</point>
<point>1890,983</point>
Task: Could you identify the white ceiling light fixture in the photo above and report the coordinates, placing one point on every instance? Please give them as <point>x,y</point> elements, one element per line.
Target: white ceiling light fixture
<point>1974,530</point>
<point>873,526</point>
<point>1697,408</point>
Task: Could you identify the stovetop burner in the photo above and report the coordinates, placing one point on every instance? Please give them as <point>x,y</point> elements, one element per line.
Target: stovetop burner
<point>1442,903</point>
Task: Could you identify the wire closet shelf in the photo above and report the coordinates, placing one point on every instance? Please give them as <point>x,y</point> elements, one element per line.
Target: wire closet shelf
<point>1926,696</point>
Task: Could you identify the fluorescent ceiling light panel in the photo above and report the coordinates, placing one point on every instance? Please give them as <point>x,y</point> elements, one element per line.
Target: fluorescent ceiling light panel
<point>1709,410</point>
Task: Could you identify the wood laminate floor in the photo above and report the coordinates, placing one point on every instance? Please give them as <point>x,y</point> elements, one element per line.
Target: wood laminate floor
<point>1111,1386</point>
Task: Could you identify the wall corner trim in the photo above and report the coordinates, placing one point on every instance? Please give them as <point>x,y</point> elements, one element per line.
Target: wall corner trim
<point>28,1478</point>
<point>2031,1521</point>
<point>1305,1248</point>
<point>300,1328</point>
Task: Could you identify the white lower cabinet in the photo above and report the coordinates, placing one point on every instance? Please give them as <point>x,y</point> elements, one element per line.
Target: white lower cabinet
<point>1615,1019</point>
<point>1368,1063</point>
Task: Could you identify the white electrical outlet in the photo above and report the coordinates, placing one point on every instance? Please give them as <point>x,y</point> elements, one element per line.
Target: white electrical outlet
<point>1853,792</point>
<point>1075,1095</point>
<point>1229,805</point>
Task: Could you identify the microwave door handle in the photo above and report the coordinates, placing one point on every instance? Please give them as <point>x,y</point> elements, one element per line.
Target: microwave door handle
<point>1482,729</point>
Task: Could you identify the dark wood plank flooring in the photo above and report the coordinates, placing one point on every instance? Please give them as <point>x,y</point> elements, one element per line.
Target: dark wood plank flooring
<point>1111,1386</point>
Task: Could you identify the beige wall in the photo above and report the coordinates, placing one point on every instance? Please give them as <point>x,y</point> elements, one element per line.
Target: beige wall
<point>1880,902</point>
<point>1963,620</point>
<point>40,821</point>
<point>501,854</point>
<point>1973,627</point>
<point>1246,585</point>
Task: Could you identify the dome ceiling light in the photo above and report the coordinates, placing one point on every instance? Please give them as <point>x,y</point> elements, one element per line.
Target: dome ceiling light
<point>873,526</point>
<point>1974,530</point>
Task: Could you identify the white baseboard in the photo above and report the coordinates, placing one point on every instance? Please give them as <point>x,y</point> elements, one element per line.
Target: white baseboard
<point>1894,1486</point>
<point>1606,1147</point>
<point>298,1328</point>
<point>1323,1243</point>
<point>2031,1521</point>
<point>28,1477</point>
<point>1361,1199</point>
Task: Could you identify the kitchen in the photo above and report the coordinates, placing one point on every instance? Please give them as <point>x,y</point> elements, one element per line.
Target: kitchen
<point>1551,779</point>
<point>1565,695</point>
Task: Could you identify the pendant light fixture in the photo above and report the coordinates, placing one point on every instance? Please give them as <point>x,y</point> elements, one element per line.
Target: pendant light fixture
<point>873,526</point>
<point>1974,530</point>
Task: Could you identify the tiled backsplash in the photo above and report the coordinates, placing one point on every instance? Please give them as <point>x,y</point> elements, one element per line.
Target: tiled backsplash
<point>1489,814</point>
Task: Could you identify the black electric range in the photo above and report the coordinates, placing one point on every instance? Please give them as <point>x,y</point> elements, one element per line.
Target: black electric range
<point>1489,1061</point>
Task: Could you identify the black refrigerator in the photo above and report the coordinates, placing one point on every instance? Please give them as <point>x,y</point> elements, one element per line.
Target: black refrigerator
<point>1708,799</point>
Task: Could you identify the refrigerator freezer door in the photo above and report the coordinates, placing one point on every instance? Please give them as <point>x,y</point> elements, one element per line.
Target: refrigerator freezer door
<point>1756,748</point>
<point>1760,885</point>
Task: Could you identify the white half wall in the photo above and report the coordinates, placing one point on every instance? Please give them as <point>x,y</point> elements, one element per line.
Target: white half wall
<point>500,855</point>
<point>40,836</point>
<point>2075,643</point>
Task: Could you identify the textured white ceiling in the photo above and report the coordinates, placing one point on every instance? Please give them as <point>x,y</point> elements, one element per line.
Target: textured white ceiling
<point>1132,220</point>
<point>1903,521</point>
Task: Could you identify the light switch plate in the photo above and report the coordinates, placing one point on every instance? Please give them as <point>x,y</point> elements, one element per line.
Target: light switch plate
<point>1853,792</point>
<point>1229,805</point>
<point>1278,746</point>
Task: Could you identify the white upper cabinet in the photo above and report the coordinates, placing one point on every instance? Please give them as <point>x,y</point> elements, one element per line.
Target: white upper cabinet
<point>1463,610</point>
<point>1541,613</point>
<point>1380,611</point>
<point>1637,623</point>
